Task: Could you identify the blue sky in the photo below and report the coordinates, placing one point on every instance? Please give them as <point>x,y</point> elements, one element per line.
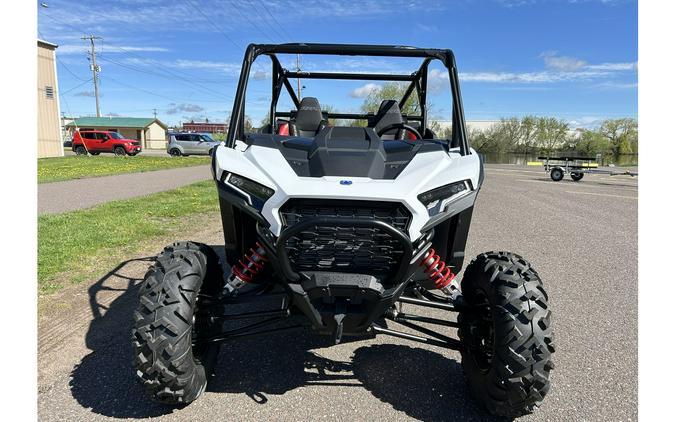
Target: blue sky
<point>572,59</point>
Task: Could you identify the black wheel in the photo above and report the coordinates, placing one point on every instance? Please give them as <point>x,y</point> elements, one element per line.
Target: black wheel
<point>168,321</point>
<point>557,174</point>
<point>507,333</point>
<point>577,176</point>
<point>94,153</point>
<point>80,150</point>
<point>119,151</point>
<point>174,152</point>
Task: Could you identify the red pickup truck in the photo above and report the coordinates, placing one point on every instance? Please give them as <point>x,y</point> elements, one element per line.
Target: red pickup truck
<point>95,142</point>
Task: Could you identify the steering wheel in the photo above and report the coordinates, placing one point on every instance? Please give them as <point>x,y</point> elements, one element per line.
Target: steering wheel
<point>399,126</point>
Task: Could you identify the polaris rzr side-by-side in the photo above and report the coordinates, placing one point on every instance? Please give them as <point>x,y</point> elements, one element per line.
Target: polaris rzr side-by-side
<point>332,223</point>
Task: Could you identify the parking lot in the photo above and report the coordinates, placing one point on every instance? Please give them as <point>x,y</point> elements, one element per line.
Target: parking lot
<point>580,236</point>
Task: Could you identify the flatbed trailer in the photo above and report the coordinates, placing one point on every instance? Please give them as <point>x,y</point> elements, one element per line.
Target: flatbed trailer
<point>576,167</point>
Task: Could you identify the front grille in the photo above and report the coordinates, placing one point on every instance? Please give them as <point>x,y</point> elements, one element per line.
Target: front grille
<point>362,250</point>
<point>136,143</point>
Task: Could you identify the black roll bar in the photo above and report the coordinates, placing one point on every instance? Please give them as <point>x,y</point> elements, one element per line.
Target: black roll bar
<point>418,80</point>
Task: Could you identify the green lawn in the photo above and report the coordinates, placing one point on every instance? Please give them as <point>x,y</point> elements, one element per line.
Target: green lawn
<point>78,167</point>
<point>76,245</point>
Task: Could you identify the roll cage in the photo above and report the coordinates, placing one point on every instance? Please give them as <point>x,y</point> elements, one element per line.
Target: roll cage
<point>417,79</point>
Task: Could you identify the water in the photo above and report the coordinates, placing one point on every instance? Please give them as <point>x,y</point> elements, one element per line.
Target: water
<point>522,159</point>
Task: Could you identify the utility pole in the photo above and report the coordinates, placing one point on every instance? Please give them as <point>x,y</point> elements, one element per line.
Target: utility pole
<point>297,65</point>
<point>154,111</point>
<point>95,69</point>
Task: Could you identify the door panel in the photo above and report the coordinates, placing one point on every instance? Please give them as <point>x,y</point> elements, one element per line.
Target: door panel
<point>89,140</point>
<point>103,142</point>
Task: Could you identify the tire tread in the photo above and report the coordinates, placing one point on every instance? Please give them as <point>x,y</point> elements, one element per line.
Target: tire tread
<point>519,377</point>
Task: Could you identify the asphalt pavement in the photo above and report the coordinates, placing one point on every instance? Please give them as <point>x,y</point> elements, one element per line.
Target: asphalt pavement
<point>581,237</point>
<point>78,194</point>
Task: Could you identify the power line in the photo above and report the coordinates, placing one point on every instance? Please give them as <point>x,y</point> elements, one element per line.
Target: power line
<point>281,36</point>
<point>75,87</point>
<point>69,71</point>
<point>206,89</point>
<point>281,27</point>
<point>194,6</point>
<point>245,16</point>
<point>173,100</point>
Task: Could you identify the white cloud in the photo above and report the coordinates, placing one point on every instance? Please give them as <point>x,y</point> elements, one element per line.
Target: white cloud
<point>105,48</point>
<point>438,81</point>
<point>529,77</point>
<point>86,94</point>
<point>613,66</point>
<point>559,69</point>
<point>364,90</point>
<point>260,75</point>
<point>230,68</point>
<point>562,63</point>
<point>186,108</point>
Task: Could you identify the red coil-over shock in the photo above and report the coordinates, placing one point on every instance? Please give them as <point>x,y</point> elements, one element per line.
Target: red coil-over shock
<point>246,270</point>
<point>438,272</point>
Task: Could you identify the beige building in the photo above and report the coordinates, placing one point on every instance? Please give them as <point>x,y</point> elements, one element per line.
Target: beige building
<point>49,139</point>
<point>149,131</point>
<point>481,125</point>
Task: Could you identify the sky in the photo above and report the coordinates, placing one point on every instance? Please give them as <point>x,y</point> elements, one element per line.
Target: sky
<point>571,59</point>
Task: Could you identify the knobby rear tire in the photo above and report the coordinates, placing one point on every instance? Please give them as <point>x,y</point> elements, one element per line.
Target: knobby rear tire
<point>171,369</point>
<point>515,379</point>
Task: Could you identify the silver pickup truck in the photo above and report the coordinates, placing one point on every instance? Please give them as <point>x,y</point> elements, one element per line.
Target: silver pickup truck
<point>189,143</point>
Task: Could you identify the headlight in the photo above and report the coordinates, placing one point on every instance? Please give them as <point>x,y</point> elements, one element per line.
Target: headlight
<point>435,198</point>
<point>256,193</point>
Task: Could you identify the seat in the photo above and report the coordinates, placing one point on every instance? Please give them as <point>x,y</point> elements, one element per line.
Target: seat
<point>308,120</point>
<point>389,113</point>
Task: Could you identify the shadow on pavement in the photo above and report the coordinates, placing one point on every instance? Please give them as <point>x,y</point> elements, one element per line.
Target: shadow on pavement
<point>104,380</point>
<point>422,383</point>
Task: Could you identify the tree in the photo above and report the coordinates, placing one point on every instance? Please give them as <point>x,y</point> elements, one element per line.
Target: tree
<point>248,125</point>
<point>551,133</point>
<point>527,135</point>
<point>390,91</point>
<point>591,143</point>
<point>622,134</point>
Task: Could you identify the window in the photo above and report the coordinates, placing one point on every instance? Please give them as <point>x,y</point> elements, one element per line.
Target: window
<point>88,135</point>
<point>116,135</point>
<point>49,92</point>
<point>207,138</point>
<point>182,137</point>
<point>195,138</point>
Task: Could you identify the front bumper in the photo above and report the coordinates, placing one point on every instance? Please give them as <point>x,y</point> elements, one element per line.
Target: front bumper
<point>341,301</point>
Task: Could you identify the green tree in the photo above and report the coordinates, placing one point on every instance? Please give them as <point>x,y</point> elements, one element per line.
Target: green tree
<point>527,135</point>
<point>622,135</point>
<point>591,142</point>
<point>551,133</point>
<point>390,91</point>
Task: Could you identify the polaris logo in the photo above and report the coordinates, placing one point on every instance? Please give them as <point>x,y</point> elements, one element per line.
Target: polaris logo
<point>345,182</point>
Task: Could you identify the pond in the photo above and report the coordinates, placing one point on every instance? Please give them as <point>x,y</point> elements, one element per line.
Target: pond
<point>522,159</point>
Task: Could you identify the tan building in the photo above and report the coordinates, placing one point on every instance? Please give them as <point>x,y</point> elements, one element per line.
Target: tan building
<point>49,139</point>
<point>481,125</point>
<point>149,131</point>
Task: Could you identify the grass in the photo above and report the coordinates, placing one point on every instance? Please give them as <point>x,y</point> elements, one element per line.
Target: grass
<point>78,167</point>
<point>76,245</point>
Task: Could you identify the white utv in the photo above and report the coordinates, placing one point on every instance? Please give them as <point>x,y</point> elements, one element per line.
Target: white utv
<point>332,229</point>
